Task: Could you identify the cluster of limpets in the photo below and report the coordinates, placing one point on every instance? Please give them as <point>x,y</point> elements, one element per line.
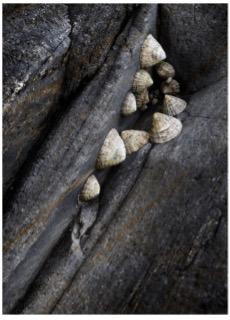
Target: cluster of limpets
<point>164,126</point>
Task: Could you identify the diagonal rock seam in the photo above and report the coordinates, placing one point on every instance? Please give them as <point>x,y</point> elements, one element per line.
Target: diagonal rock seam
<point>9,289</point>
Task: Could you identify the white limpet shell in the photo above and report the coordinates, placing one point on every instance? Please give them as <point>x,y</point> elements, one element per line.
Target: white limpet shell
<point>134,139</point>
<point>151,52</point>
<point>164,128</point>
<point>129,105</point>
<point>169,88</point>
<point>142,80</point>
<point>168,80</point>
<point>112,151</point>
<point>173,105</point>
<point>91,189</point>
<point>165,70</point>
<point>142,99</point>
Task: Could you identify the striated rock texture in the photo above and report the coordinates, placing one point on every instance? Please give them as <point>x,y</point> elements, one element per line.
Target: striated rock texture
<point>48,51</point>
<point>154,241</point>
<point>36,41</point>
<point>195,39</point>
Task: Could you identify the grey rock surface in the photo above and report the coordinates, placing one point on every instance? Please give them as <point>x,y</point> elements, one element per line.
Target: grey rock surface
<point>157,242</point>
<point>159,254</point>
<point>36,41</point>
<point>49,51</point>
<point>195,39</point>
<point>38,216</point>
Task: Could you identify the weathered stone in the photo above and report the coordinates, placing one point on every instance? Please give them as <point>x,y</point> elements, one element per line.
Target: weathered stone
<point>155,239</point>
<point>38,215</point>
<point>160,253</point>
<point>41,66</point>
<point>36,40</point>
<point>194,37</point>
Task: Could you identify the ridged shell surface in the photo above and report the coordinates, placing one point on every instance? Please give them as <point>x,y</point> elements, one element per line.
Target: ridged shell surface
<point>129,105</point>
<point>91,189</point>
<point>171,87</point>
<point>173,105</point>
<point>142,80</point>
<point>164,128</point>
<point>151,52</point>
<point>142,99</point>
<point>165,70</point>
<point>112,151</point>
<point>134,139</point>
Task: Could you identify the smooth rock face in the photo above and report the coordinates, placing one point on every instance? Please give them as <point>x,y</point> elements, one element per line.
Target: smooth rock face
<point>167,242</point>
<point>195,39</point>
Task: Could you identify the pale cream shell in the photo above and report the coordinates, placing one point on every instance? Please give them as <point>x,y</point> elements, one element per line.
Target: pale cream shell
<point>172,87</point>
<point>165,70</point>
<point>112,151</point>
<point>151,52</point>
<point>173,105</point>
<point>91,189</point>
<point>134,139</point>
<point>129,105</point>
<point>142,80</point>
<point>142,99</point>
<point>164,128</point>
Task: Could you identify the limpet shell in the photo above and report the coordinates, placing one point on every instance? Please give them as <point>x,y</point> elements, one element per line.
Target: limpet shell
<point>134,139</point>
<point>164,128</point>
<point>142,80</point>
<point>91,189</point>
<point>151,52</point>
<point>173,105</point>
<point>165,70</point>
<point>129,105</point>
<point>112,151</point>
<point>172,87</point>
<point>142,99</point>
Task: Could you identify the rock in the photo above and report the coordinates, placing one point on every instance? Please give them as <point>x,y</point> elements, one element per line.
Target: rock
<point>94,29</point>
<point>37,216</point>
<point>165,251</point>
<point>49,51</point>
<point>61,266</point>
<point>155,239</point>
<point>36,41</point>
<point>194,37</point>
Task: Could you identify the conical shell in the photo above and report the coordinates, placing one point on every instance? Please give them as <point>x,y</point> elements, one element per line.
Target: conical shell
<point>112,151</point>
<point>171,87</point>
<point>134,139</point>
<point>142,80</point>
<point>91,189</point>
<point>142,99</point>
<point>164,128</point>
<point>165,70</point>
<point>151,52</point>
<point>173,105</point>
<point>129,105</point>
